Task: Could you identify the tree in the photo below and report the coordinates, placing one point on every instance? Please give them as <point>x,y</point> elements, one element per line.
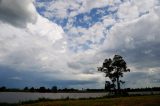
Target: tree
<point>114,69</point>
<point>42,89</point>
<point>54,89</point>
<point>3,88</point>
<point>32,89</point>
<point>109,86</point>
<point>26,89</point>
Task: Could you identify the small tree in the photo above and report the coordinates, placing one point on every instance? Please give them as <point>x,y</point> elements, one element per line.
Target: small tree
<point>114,69</point>
<point>54,89</point>
<point>32,89</point>
<point>42,89</point>
<point>26,89</point>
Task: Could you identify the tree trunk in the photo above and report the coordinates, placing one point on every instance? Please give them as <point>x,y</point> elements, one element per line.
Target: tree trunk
<point>118,85</point>
<point>114,89</point>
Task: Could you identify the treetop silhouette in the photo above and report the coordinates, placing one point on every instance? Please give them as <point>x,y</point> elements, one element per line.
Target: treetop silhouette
<point>114,69</point>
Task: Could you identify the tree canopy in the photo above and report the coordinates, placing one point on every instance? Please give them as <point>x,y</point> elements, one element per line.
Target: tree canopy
<point>114,69</point>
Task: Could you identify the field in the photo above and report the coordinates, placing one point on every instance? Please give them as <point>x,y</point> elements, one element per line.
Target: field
<point>152,100</point>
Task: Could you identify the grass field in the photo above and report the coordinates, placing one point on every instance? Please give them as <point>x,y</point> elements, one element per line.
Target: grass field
<point>152,100</point>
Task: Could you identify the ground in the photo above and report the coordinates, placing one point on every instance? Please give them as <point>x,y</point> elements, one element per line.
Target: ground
<point>151,100</point>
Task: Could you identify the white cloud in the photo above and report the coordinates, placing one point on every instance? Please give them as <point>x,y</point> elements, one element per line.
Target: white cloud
<point>145,5</point>
<point>128,11</point>
<point>137,39</point>
<point>27,47</point>
<point>60,8</point>
<point>35,44</point>
<point>38,47</point>
<point>44,28</point>
<point>34,47</point>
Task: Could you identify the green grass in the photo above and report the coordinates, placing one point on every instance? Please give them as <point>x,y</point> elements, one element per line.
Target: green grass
<point>151,100</point>
<point>120,101</point>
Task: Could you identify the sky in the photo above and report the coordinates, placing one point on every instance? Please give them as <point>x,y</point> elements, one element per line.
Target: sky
<point>62,42</point>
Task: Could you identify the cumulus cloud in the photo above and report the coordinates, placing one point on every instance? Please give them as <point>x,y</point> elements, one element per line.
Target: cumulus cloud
<point>71,8</point>
<point>37,51</point>
<point>88,34</point>
<point>29,47</point>
<point>138,38</point>
<point>17,13</point>
<point>127,11</point>
<point>34,49</point>
<point>133,35</point>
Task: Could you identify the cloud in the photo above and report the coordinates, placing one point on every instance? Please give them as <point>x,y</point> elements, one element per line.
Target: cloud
<point>40,52</point>
<point>138,38</point>
<point>145,79</point>
<point>145,6</point>
<point>128,11</point>
<point>37,52</point>
<point>134,37</point>
<point>17,13</point>
<point>33,47</point>
<point>62,9</point>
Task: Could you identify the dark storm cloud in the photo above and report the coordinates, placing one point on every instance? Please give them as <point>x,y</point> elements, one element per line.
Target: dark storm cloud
<point>12,78</point>
<point>13,12</point>
<point>137,41</point>
<point>142,79</point>
<point>143,56</point>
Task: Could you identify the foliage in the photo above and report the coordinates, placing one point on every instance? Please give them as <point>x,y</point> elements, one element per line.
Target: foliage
<point>114,69</point>
<point>152,100</point>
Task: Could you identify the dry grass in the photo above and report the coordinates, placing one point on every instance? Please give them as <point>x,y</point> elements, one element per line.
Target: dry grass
<point>153,100</point>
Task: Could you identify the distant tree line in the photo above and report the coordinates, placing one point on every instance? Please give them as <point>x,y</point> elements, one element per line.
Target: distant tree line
<point>54,89</point>
<point>142,89</point>
<point>40,89</point>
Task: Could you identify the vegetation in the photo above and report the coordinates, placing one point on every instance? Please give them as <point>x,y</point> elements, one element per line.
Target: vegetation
<point>114,69</point>
<point>152,100</point>
<point>54,89</point>
<point>40,89</point>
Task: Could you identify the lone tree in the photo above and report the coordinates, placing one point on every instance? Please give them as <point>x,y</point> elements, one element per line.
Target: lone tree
<point>114,69</point>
